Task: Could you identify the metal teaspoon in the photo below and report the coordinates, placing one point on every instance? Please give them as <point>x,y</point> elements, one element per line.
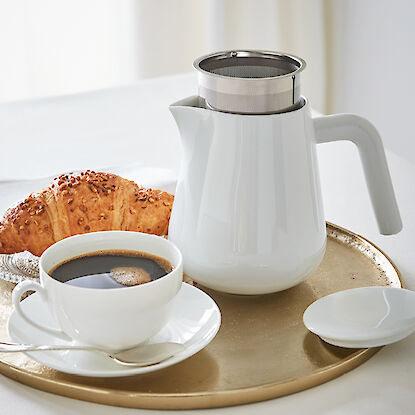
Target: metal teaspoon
<point>139,356</point>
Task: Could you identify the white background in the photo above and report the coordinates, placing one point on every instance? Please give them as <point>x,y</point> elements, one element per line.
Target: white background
<point>359,52</point>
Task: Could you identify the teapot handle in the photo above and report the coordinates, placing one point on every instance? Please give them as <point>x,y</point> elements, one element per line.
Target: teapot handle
<point>372,154</point>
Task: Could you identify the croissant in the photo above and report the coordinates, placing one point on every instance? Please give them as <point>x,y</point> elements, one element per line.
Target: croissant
<point>80,203</point>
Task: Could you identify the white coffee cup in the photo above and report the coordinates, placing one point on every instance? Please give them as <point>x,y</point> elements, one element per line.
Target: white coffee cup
<point>113,319</point>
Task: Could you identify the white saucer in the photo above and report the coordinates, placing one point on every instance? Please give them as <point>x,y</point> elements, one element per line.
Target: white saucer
<point>195,320</point>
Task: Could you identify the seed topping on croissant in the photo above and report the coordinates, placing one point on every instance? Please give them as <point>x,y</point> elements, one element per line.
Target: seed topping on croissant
<point>83,202</point>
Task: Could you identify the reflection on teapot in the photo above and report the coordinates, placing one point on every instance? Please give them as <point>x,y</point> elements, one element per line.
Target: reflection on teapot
<point>248,214</point>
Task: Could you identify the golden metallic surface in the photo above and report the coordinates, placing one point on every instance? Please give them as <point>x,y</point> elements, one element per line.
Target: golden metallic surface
<point>262,350</point>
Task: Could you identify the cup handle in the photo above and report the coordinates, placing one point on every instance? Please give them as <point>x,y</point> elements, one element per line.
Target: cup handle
<point>17,293</point>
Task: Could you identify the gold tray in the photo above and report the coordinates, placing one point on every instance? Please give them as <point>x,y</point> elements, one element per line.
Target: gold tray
<point>262,350</point>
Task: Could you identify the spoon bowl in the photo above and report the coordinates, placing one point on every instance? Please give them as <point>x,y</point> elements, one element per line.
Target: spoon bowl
<point>149,354</point>
<point>363,317</point>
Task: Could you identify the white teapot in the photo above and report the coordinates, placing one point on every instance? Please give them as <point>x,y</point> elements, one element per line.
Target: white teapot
<point>248,214</point>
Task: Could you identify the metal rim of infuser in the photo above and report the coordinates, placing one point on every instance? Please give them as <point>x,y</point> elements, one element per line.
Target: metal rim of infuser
<point>250,82</point>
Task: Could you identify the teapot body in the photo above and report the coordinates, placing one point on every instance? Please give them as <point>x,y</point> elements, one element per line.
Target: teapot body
<point>247,215</point>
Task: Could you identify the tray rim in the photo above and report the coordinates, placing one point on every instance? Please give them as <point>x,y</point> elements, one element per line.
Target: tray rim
<point>198,400</point>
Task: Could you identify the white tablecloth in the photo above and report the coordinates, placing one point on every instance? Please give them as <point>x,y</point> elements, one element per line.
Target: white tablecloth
<point>131,124</point>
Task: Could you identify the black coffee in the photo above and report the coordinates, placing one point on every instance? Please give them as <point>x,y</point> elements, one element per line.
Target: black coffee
<point>111,269</point>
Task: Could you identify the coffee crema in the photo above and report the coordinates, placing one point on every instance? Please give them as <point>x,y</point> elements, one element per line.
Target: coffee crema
<point>111,269</point>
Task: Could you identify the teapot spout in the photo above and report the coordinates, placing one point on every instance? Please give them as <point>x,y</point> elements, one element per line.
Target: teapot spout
<point>189,116</point>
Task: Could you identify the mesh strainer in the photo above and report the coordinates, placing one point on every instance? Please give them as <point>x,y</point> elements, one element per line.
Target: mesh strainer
<point>250,82</point>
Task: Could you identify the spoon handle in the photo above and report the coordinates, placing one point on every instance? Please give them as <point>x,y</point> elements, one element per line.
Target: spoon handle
<point>16,347</point>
